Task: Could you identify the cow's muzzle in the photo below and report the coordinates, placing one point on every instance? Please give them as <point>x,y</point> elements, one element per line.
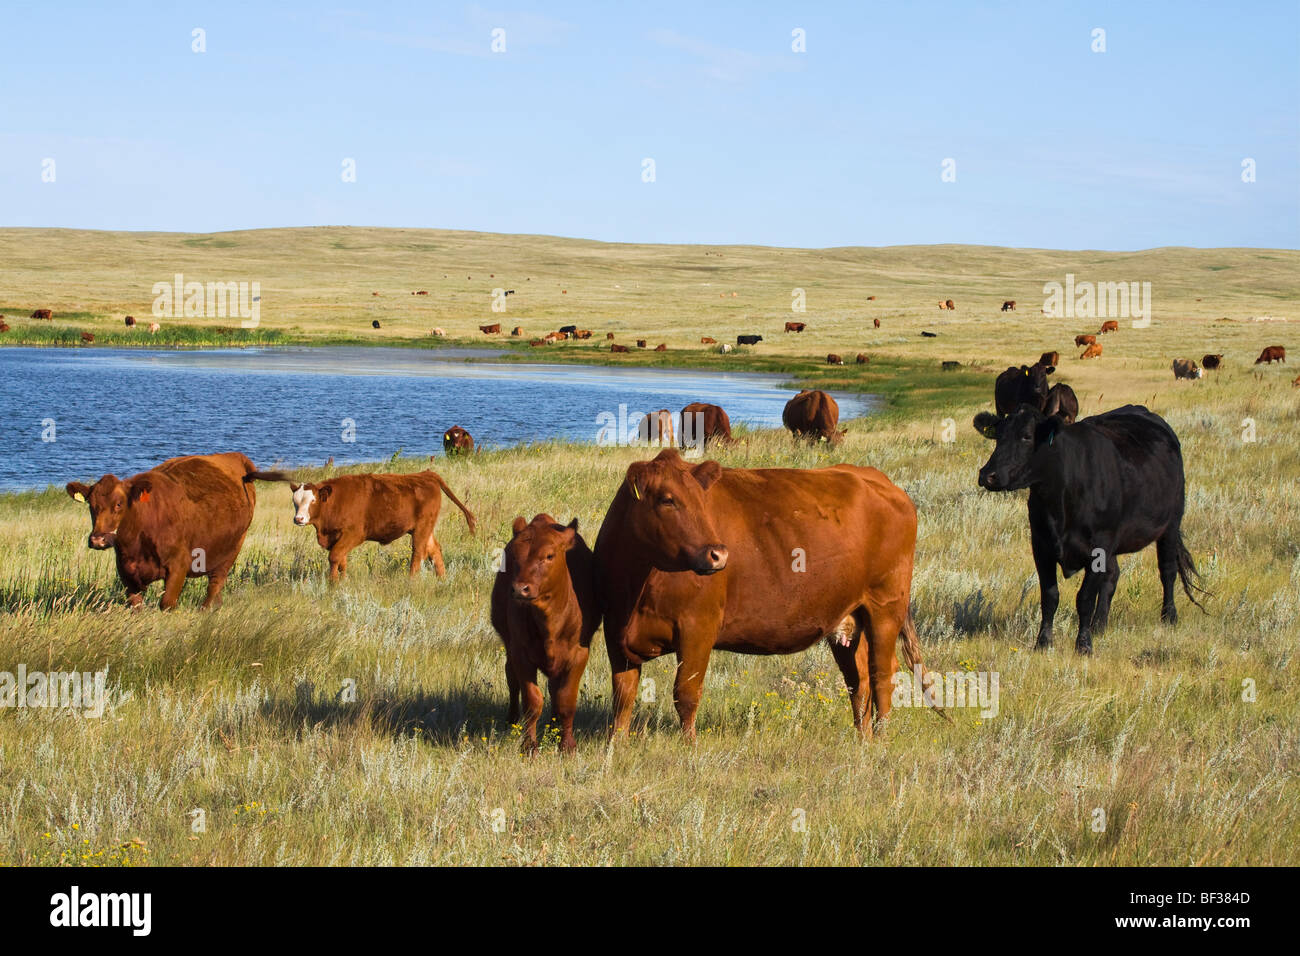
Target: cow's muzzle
<point>299,520</point>
<point>523,592</point>
<point>989,480</point>
<point>711,560</point>
<point>101,540</point>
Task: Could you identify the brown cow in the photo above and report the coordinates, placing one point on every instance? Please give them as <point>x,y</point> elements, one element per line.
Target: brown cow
<point>877,322</point>
<point>536,342</point>
<point>656,428</point>
<point>4,326</point>
<point>609,336</point>
<point>1274,353</point>
<point>813,415</point>
<point>184,518</point>
<point>834,359</point>
<point>42,314</point>
<point>1212,363</point>
<point>87,337</point>
<point>691,559</point>
<point>1092,351</point>
<point>1110,325</point>
<point>1186,368</point>
<point>517,330</point>
<point>871,298</point>
<point>1009,305</point>
<point>130,321</point>
<point>351,509</point>
<point>640,343</point>
<point>661,347</point>
<point>706,340</point>
<point>863,358</point>
<point>1296,383</point>
<point>582,334</point>
<point>795,326</point>
<point>492,329</point>
<point>1084,340</point>
<point>949,305</point>
<point>1050,358</point>
<point>701,423</point>
<point>544,607</point>
<point>457,441</point>
<point>422,292</point>
<point>618,348</point>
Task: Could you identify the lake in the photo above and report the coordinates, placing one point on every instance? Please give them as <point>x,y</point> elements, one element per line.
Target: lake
<point>78,413</point>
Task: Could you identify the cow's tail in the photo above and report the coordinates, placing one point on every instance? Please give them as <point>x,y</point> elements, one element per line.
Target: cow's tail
<point>469,517</point>
<point>912,654</point>
<point>1187,571</point>
<point>268,476</point>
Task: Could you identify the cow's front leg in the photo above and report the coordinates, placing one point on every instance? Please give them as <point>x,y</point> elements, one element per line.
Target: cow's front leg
<point>532,705</point>
<point>564,699</point>
<point>1049,593</point>
<point>1086,605</point>
<point>177,571</point>
<point>688,685</point>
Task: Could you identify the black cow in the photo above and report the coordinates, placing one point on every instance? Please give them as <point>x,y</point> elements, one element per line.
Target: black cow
<point>568,329</point>
<point>1109,485</point>
<point>1026,385</point>
<point>748,339</point>
<point>1062,401</point>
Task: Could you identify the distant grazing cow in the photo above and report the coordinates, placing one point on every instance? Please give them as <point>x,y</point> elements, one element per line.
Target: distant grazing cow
<point>130,321</point>
<point>508,292</point>
<point>640,343</point>
<point>184,518</point>
<point>1274,353</point>
<point>1092,351</point>
<point>748,339</point>
<point>950,366</point>
<point>439,333</point>
<point>1108,485</point>
<point>545,610</point>
<point>87,337</point>
<point>351,509</point>
<point>568,328</point>
<point>493,329</point>
<point>1110,325</point>
<point>536,342</point>
<point>1084,340</point>
<point>863,358</point>
<point>609,336</point>
<point>374,324</point>
<point>1296,383</point>
<point>929,335</point>
<point>1050,358</point>
<point>4,326</point>
<point>656,428</point>
<point>948,304</point>
<point>1009,305</point>
<point>662,589</point>
<point>422,292</point>
<point>871,298</point>
<point>154,327</point>
<point>1026,385</point>
<point>661,347</point>
<point>374,293</point>
<point>834,359</point>
<point>457,441</point>
<point>582,334</point>
<point>42,314</point>
<point>725,347</point>
<point>1185,368</point>
<point>701,423</point>
<point>618,348</point>
<point>517,330</point>
<point>1212,363</point>
<point>795,326</point>
<point>877,322</point>
<point>706,340</point>
<point>812,415</point>
<point>1062,401</point>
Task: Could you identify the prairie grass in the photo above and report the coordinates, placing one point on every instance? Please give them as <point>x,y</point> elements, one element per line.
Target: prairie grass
<point>245,714</point>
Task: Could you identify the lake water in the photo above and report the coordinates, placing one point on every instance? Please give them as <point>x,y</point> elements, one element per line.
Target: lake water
<point>125,410</point>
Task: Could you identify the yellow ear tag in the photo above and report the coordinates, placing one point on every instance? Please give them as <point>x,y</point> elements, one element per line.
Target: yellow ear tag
<point>78,497</point>
<point>636,491</point>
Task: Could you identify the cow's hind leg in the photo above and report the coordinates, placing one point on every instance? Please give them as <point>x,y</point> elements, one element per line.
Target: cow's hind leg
<point>851,656</point>
<point>216,581</point>
<point>1086,605</point>
<point>435,552</point>
<point>1167,561</point>
<point>1048,590</point>
<point>1105,591</point>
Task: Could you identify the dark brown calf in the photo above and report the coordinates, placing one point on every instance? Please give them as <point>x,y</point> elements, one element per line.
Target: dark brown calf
<point>795,326</point>
<point>1110,325</point>
<point>457,441</point>
<point>493,329</point>
<point>1274,353</point>
<point>701,423</point>
<point>812,415</point>
<point>1080,340</point>
<point>544,607</point>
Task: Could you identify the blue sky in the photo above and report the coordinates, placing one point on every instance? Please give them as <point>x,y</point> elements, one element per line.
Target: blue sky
<point>1054,145</point>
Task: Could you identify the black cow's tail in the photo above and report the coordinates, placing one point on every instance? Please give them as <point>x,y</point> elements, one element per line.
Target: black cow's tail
<point>1187,571</point>
<point>912,654</point>
<point>469,517</point>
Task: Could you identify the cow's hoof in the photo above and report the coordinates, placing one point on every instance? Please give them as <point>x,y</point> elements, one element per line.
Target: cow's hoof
<point>1044,644</point>
<point>1083,647</point>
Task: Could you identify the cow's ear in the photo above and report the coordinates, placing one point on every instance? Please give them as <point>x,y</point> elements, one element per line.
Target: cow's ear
<point>568,535</point>
<point>706,473</point>
<point>986,423</point>
<point>77,491</point>
<point>1045,432</point>
<point>322,492</point>
<point>636,478</point>
<point>573,524</point>
<point>294,488</point>
<point>519,524</point>
<point>139,491</point>
<point>1050,370</point>
<point>668,454</point>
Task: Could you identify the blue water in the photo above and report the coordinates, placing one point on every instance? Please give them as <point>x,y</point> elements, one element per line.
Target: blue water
<point>125,410</point>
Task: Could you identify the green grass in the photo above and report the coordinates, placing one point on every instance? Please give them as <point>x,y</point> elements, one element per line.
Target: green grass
<point>240,712</point>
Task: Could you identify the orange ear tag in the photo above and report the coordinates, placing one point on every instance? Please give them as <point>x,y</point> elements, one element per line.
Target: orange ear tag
<point>144,496</point>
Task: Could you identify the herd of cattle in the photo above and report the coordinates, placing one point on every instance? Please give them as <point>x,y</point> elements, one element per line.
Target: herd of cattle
<point>693,557</point>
